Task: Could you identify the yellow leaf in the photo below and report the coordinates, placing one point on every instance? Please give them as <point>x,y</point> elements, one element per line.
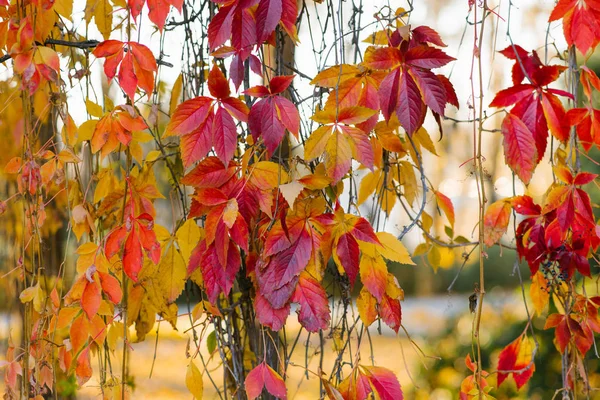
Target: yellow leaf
<point>175,93</point>
<point>86,130</point>
<point>64,8</point>
<point>267,175</point>
<point>408,181</point>
<point>28,294</point>
<point>422,138</point>
<point>316,142</point>
<point>393,249</point>
<point>366,304</point>
<point>434,257</point>
<point>93,109</point>
<point>539,293</point>
<point>136,151</point>
<point>333,76</point>
<point>188,236</point>
<point>67,156</point>
<point>102,12</point>
<point>171,274</point>
<point>368,185</point>
<point>69,131</point>
<point>193,381</point>
<point>393,289</point>
<point>152,156</point>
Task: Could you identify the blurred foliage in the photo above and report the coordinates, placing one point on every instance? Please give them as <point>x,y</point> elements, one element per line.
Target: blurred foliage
<point>439,379</point>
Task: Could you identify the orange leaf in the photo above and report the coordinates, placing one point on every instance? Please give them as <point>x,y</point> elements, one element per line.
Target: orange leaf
<point>495,221</point>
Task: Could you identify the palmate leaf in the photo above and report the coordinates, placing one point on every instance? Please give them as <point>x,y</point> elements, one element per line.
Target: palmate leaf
<point>580,22</point>
<point>205,122</point>
<point>410,87</point>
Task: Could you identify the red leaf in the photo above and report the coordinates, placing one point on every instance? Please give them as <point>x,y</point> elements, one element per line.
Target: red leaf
<point>517,356</point>
<point>384,382</point>
<point>346,249</point>
<point>580,22</point>
<point>279,84</point>
<point>269,316</point>
<point>383,58</point>
<point>583,178</point>
<point>524,205</point>
<point>424,34</point>
<point>277,279</point>
<point>136,7</point>
<point>530,111</point>
<point>314,307</point>
<point>189,115</point>
<point>219,28</point>
<point>195,145</point>
<point>210,172</point>
<point>224,135</point>
<point>562,334</point>
<point>111,287</point>
<point>519,147</point>
<point>90,299</point>
<point>159,9</point>
<point>127,78</point>
<point>288,114</point>
<point>512,95</point>
<point>268,15</point>
<point>107,48</point>
<point>272,129</point>
<point>427,57</point>
<point>432,90</point>
<point>446,206</point>
<point>218,85</point>
<point>410,108</point>
<point>555,117</point>
<point>132,256</point>
<point>390,312</point>
<point>258,91</point>
<point>389,92</point>
<point>263,376</point>
<point>114,241</point>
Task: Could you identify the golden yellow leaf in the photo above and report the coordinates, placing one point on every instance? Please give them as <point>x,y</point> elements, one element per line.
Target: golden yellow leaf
<point>93,109</point>
<point>175,94</point>
<point>368,185</point>
<point>86,130</point>
<point>539,293</point>
<point>393,249</point>
<point>188,236</point>
<point>171,273</point>
<point>193,381</point>
<point>366,305</point>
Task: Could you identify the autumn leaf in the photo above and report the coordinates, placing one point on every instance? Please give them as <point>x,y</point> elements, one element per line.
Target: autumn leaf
<point>136,234</point>
<point>263,376</point>
<point>314,311</point>
<point>193,381</point>
<point>539,292</point>
<point>495,221</point>
<point>519,147</point>
<point>517,359</point>
<point>579,22</point>
<point>135,62</point>
<point>384,382</point>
